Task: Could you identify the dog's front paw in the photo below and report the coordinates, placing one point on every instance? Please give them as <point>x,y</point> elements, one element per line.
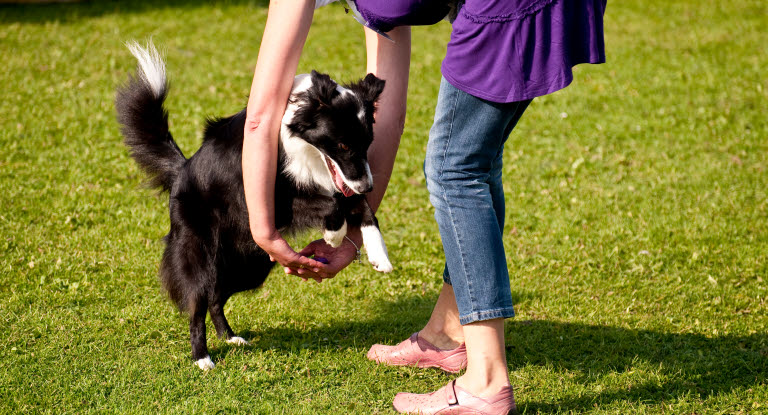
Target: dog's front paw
<point>335,238</point>
<point>205,363</point>
<point>384,266</point>
<point>237,341</point>
<point>377,251</point>
<point>380,260</point>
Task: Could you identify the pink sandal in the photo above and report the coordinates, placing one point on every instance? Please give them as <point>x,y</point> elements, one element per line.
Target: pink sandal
<point>453,400</point>
<point>418,352</point>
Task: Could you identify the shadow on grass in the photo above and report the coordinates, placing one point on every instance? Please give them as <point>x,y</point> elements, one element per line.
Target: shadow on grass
<point>67,12</point>
<point>681,364</point>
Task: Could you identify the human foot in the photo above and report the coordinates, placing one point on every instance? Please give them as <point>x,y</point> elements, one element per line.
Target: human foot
<point>416,351</point>
<point>453,399</point>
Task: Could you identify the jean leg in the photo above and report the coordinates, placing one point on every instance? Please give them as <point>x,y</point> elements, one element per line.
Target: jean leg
<point>496,186</point>
<point>462,154</point>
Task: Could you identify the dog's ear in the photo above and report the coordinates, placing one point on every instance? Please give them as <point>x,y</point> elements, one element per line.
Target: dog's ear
<point>323,89</point>
<point>310,103</point>
<point>368,88</point>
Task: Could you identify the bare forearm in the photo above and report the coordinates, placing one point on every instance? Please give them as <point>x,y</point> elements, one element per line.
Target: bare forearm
<point>284,36</point>
<point>391,62</point>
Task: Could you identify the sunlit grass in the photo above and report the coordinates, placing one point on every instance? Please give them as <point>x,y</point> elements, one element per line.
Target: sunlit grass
<point>636,228</point>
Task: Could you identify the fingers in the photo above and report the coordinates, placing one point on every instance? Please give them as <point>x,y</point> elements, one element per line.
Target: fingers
<point>308,250</point>
<point>316,265</point>
<point>305,274</point>
<point>306,268</point>
<point>296,263</point>
<point>289,258</point>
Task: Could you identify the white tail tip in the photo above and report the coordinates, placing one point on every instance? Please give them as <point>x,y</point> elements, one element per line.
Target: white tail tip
<point>151,66</point>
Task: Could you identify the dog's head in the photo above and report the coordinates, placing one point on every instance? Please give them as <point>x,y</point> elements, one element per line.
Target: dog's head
<point>337,122</point>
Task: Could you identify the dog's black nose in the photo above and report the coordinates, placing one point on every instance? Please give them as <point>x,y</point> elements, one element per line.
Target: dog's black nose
<point>366,188</point>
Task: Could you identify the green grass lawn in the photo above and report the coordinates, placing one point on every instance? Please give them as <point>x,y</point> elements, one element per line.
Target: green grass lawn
<point>637,223</point>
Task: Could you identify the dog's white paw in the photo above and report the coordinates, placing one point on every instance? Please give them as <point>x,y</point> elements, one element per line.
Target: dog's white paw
<point>386,266</point>
<point>335,238</point>
<point>377,251</point>
<point>332,240</point>
<point>237,341</point>
<point>205,363</point>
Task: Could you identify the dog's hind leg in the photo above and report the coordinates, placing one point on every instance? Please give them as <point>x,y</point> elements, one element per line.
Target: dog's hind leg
<point>223,330</point>
<point>198,310</point>
<point>183,272</point>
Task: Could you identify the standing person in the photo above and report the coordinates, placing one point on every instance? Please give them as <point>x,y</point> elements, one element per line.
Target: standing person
<point>501,55</point>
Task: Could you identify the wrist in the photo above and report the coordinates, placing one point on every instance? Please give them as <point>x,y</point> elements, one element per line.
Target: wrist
<point>355,236</point>
<point>355,246</point>
<point>262,235</point>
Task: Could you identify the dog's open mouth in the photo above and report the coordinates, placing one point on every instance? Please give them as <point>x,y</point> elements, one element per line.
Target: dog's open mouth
<point>337,179</point>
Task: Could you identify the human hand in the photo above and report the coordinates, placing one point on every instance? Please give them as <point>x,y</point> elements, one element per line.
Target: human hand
<point>279,251</point>
<point>338,259</point>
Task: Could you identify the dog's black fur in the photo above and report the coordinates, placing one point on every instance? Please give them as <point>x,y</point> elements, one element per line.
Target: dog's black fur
<point>210,253</point>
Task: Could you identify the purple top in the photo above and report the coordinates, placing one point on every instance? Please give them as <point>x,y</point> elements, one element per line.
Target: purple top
<point>505,50</point>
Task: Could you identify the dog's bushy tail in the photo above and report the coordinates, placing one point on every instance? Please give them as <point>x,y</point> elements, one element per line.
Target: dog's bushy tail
<point>144,120</point>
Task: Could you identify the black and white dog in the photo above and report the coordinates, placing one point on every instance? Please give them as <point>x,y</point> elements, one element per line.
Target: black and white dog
<point>322,177</point>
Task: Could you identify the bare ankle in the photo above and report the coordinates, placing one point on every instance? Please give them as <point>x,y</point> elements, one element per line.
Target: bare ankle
<point>441,339</point>
<point>483,385</point>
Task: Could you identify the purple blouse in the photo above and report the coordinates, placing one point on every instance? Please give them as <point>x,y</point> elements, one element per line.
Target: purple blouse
<point>505,50</point>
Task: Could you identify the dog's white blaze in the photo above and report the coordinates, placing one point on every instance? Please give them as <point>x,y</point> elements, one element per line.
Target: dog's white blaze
<point>376,249</point>
<point>151,66</point>
<point>343,90</point>
<point>335,238</point>
<point>361,111</point>
<point>237,341</point>
<point>205,363</point>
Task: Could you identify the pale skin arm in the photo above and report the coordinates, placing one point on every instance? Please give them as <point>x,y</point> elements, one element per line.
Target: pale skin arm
<point>391,62</point>
<point>286,31</point>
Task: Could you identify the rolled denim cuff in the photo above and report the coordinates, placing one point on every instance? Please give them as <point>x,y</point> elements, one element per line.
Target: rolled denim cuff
<point>446,276</point>
<point>506,312</point>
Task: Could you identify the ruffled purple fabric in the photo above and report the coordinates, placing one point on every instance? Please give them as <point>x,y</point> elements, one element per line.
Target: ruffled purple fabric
<point>506,50</point>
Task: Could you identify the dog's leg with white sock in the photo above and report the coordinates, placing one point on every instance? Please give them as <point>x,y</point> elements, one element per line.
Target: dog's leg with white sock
<point>373,241</point>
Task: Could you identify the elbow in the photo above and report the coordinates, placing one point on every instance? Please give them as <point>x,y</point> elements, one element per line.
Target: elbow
<point>263,124</point>
<point>252,123</point>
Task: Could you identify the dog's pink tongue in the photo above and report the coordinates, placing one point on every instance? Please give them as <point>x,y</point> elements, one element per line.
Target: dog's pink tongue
<point>341,185</point>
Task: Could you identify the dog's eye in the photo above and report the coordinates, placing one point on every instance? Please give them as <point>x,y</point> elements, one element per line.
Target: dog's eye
<point>343,146</point>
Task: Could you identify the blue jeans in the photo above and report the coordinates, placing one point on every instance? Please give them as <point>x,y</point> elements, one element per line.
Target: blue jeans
<point>463,171</point>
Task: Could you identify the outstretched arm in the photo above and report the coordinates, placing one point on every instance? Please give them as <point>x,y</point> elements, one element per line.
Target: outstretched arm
<point>286,31</point>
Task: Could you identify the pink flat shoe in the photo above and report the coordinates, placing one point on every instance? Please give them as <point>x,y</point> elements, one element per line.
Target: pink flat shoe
<point>453,400</point>
<point>420,353</point>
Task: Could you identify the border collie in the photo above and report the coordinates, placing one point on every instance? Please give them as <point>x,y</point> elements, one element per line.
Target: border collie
<point>321,182</point>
